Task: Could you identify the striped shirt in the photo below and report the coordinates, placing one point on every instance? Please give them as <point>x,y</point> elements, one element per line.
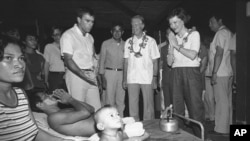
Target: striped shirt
<point>16,123</point>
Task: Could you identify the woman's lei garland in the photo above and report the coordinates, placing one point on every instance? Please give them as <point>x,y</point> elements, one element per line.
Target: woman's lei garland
<point>141,45</point>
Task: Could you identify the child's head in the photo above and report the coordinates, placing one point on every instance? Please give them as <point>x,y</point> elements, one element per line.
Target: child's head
<point>107,118</point>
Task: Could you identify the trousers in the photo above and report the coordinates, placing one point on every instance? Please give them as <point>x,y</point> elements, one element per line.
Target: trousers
<point>82,90</point>
<point>148,101</point>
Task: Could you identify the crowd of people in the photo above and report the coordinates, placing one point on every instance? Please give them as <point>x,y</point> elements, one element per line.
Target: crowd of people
<point>71,84</point>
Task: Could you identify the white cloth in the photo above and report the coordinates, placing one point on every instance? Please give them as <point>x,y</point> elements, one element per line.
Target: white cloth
<point>52,55</point>
<point>81,47</point>
<point>192,43</point>
<point>222,39</point>
<point>140,70</point>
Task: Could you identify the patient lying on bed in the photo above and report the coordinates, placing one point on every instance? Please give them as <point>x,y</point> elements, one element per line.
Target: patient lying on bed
<point>74,121</point>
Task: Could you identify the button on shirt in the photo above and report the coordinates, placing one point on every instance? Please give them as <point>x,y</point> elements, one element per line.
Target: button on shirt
<point>222,38</point>
<point>81,47</point>
<point>192,42</point>
<point>111,55</point>
<point>140,70</point>
<point>52,55</point>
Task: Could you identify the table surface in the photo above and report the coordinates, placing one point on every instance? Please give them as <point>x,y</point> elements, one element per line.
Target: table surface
<point>156,134</point>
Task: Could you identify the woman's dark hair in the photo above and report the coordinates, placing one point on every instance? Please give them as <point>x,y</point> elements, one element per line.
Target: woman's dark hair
<point>180,13</point>
<point>4,41</point>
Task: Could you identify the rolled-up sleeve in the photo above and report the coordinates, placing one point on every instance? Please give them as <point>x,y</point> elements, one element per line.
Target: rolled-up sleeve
<point>66,44</point>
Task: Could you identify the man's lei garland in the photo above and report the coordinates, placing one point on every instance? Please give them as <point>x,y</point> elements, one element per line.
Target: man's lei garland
<point>141,45</point>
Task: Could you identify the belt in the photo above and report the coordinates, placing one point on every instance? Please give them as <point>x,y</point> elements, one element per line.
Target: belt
<point>114,69</point>
<point>87,69</point>
<point>55,72</point>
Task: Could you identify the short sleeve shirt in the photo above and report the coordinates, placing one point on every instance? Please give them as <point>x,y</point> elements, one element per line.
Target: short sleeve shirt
<point>140,70</point>
<point>52,55</point>
<point>222,39</point>
<point>192,42</point>
<point>81,47</point>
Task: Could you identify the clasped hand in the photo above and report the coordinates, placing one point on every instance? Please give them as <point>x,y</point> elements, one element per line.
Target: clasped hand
<point>62,95</point>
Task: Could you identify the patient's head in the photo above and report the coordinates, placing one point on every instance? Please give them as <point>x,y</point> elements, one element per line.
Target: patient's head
<point>108,118</point>
<point>41,101</point>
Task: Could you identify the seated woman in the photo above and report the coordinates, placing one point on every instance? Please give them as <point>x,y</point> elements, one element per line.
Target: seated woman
<point>74,121</point>
<point>16,120</point>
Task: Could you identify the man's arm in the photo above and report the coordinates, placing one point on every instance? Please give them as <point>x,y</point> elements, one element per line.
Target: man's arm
<point>204,63</point>
<point>155,72</point>
<point>217,61</point>
<point>81,110</point>
<point>102,64</point>
<point>233,63</point>
<point>125,69</point>
<point>46,73</point>
<point>72,66</point>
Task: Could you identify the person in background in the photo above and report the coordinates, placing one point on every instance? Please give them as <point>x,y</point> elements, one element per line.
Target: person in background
<point>77,47</point>
<point>111,68</point>
<point>209,101</point>
<point>54,66</point>
<point>140,69</point>
<point>221,72</point>
<point>35,61</point>
<point>17,122</point>
<point>232,48</point>
<point>187,79</point>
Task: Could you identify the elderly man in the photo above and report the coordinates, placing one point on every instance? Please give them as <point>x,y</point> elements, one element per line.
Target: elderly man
<point>140,69</point>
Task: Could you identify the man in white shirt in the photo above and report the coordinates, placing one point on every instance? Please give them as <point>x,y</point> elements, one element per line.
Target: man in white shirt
<point>221,72</point>
<point>77,47</point>
<point>140,69</point>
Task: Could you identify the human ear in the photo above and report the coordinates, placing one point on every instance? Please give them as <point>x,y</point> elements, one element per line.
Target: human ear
<point>78,20</point>
<point>100,126</point>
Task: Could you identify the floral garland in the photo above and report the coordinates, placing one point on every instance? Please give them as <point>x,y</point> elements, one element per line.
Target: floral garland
<point>185,39</point>
<point>141,45</point>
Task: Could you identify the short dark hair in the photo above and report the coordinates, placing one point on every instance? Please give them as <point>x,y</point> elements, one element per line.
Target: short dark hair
<point>114,24</point>
<point>180,13</point>
<point>34,98</point>
<point>4,41</point>
<point>84,10</point>
<point>53,28</point>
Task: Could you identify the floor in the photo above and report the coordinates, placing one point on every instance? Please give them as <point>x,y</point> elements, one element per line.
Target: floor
<point>208,125</point>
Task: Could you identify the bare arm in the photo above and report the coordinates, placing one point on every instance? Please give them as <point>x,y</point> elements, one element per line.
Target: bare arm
<point>233,63</point>
<point>155,72</point>
<point>102,65</point>
<point>72,66</point>
<point>203,66</point>
<point>81,110</point>
<point>46,72</point>
<point>217,61</point>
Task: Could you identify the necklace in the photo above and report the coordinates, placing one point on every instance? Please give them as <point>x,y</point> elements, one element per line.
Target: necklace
<point>141,45</point>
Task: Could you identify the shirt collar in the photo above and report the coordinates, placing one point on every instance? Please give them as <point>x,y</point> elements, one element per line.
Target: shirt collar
<point>76,28</point>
